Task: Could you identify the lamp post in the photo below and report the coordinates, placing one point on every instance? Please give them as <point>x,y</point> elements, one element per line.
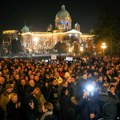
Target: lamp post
<point>81,49</point>
<point>103,46</point>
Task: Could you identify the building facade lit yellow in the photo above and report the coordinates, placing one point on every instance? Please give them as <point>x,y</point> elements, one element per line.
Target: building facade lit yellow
<point>37,42</point>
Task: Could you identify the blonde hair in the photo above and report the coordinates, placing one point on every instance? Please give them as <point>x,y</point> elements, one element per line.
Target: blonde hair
<point>49,106</point>
<point>12,95</point>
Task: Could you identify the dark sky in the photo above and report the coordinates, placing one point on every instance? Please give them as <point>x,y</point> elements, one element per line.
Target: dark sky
<point>40,13</point>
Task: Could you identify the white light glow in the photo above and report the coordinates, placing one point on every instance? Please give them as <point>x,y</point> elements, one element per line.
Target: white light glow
<point>90,88</point>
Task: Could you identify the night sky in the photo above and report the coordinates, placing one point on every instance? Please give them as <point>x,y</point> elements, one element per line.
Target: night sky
<point>38,14</point>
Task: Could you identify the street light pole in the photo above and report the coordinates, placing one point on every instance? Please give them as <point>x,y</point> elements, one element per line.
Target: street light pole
<point>103,48</point>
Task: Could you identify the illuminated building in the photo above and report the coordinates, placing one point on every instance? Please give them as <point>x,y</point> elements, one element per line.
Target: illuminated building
<point>8,37</point>
<point>40,42</point>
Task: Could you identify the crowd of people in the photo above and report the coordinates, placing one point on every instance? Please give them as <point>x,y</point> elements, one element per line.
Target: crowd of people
<point>87,88</point>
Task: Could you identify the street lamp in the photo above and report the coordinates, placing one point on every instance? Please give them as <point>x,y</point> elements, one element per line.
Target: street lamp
<point>103,46</point>
<point>81,49</point>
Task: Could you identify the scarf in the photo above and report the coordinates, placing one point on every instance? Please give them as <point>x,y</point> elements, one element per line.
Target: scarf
<point>46,114</point>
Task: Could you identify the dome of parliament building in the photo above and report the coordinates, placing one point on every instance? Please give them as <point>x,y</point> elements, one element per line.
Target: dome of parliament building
<point>63,19</point>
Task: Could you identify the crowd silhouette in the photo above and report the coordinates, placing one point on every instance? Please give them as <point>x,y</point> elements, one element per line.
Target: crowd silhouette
<point>87,88</point>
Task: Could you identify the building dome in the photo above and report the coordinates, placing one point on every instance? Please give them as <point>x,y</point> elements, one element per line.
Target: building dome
<point>25,29</point>
<point>77,26</point>
<point>63,13</point>
<point>63,19</point>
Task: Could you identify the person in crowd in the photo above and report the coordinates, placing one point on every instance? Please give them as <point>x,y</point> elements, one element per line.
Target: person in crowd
<point>67,107</point>
<point>32,105</point>
<point>104,98</point>
<point>1,113</point>
<point>13,108</point>
<point>68,79</point>
<point>113,93</point>
<point>47,109</point>
<point>109,111</point>
<point>40,98</point>
<point>74,85</point>
<point>81,85</point>
<point>100,81</point>
<point>31,85</point>
<point>61,73</point>
<point>57,78</point>
<point>5,97</point>
<point>26,74</point>
<point>60,87</point>
<point>89,107</point>
<point>21,95</point>
<point>2,84</point>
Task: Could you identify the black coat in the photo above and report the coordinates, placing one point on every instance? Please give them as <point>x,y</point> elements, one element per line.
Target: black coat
<point>51,117</point>
<point>13,113</point>
<point>67,108</point>
<point>32,114</point>
<point>104,98</point>
<point>109,111</point>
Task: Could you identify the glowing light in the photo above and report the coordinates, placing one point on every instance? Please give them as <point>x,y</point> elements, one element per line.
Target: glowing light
<point>90,88</point>
<point>35,39</point>
<point>103,46</point>
<point>70,49</point>
<point>81,49</point>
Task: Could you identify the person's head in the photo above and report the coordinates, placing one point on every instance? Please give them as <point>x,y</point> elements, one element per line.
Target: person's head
<point>32,77</point>
<point>119,75</point>
<point>112,87</point>
<point>14,97</point>
<point>73,79</point>
<point>37,91</point>
<point>17,77</point>
<point>89,75</point>
<point>64,83</point>
<point>32,83</point>
<point>23,82</point>
<point>107,72</point>
<point>95,73</point>
<point>57,74</point>
<point>100,79</point>
<point>103,89</point>
<point>30,72</point>
<point>92,67</point>
<point>36,78</point>
<point>9,88</point>
<point>84,76</point>
<point>2,80</point>
<point>67,75</point>
<point>0,74</point>
<point>60,69</point>
<point>48,106</point>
